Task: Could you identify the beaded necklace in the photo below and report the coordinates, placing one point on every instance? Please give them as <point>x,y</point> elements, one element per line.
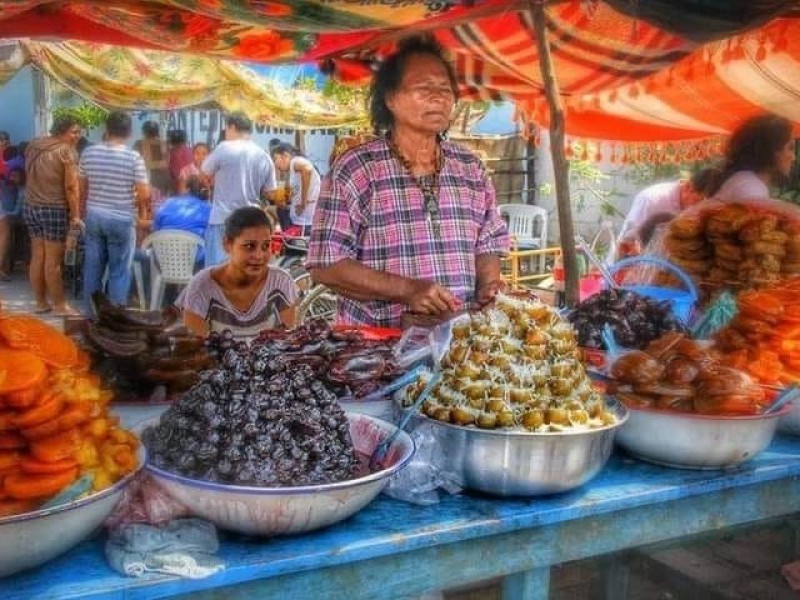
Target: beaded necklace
<point>428,185</point>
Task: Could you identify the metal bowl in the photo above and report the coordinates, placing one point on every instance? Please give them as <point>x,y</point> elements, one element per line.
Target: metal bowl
<point>287,510</point>
<point>790,422</point>
<point>522,463</point>
<point>691,441</point>
<point>32,539</point>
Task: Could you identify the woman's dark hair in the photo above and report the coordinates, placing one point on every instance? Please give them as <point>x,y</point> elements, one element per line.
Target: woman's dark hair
<point>83,144</point>
<point>150,129</point>
<point>389,76</point>
<point>240,122</point>
<point>243,218</point>
<point>177,137</point>
<point>753,146</point>
<point>118,124</point>
<point>4,136</point>
<point>704,180</point>
<point>62,124</point>
<point>196,188</point>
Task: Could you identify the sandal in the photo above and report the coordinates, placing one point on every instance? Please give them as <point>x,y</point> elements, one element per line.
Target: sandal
<point>68,312</point>
<point>42,310</point>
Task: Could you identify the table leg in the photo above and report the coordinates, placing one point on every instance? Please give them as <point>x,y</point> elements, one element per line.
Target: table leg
<point>616,576</point>
<point>527,585</point>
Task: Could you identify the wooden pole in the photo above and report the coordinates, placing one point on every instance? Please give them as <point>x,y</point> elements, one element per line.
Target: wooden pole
<point>560,163</point>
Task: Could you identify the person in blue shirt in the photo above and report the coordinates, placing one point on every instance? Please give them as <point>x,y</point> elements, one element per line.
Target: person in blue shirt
<point>188,212</point>
<point>12,194</point>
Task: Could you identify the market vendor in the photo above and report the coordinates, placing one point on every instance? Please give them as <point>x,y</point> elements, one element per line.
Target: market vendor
<point>759,156</point>
<point>303,180</point>
<point>667,198</point>
<point>244,295</point>
<point>407,229</point>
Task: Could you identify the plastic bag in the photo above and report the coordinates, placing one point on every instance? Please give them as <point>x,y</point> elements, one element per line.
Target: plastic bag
<point>427,475</point>
<point>145,501</point>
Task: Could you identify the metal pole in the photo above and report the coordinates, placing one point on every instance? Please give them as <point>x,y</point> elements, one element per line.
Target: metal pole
<point>560,163</point>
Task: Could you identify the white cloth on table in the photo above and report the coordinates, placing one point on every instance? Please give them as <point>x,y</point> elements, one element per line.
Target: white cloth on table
<point>185,547</point>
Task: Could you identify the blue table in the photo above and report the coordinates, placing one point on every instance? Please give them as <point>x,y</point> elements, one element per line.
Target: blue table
<point>396,549</point>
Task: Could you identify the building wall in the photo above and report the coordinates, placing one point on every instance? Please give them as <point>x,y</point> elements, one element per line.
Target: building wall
<point>17,111</point>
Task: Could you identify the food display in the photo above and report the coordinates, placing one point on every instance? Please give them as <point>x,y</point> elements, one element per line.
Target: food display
<point>54,422</point>
<point>763,338</point>
<point>738,245</point>
<point>346,361</point>
<point>137,350</point>
<point>636,320</point>
<point>256,420</point>
<point>514,366</point>
<point>680,374</point>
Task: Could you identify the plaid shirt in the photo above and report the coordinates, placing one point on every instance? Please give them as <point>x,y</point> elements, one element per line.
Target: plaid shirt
<point>371,210</point>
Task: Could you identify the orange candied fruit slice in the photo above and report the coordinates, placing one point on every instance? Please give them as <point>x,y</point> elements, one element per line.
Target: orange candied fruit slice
<point>24,370</point>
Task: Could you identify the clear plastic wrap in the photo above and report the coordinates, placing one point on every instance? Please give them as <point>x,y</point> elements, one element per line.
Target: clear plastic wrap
<point>144,501</point>
<point>426,477</point>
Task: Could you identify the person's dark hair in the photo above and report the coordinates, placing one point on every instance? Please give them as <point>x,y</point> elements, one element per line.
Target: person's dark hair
<point>243,218</point>
<point>704,180</point>
<point>195,187</point>
<point>240,122</point>
<point>21,171</point>
<point>83,144</point>
<point>177,137</point>
<point>62,124</point>
<point>273,143</point>
<point>118,124</point>
<point>284,148</point>
<point>753,145</point>
<point>4,136</point>
<point>150,129</point>
<point>389,76</point>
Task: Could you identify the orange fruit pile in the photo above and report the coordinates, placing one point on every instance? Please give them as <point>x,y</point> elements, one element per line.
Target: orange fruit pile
<point>54,421</point>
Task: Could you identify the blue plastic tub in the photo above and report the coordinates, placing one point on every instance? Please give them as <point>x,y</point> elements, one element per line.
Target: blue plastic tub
<point>682,302</point>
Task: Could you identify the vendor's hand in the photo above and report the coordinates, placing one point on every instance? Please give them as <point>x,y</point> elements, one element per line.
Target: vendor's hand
<point>488,291</point>
<point>429,298</point>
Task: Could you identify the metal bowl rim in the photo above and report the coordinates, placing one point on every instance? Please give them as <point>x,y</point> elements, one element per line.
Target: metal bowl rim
<point>291,491</point>
<point>620,409</point>
<point>80,502</point>
<point>695,416</point>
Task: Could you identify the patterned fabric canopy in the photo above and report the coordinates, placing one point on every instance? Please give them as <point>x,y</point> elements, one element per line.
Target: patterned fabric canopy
<point>629,71</point>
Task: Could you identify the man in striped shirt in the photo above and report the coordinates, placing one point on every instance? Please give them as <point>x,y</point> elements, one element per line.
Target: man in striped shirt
<point>115,192</point>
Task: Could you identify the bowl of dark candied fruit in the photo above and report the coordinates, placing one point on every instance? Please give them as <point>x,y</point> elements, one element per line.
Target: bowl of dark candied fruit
<point>263,448</point>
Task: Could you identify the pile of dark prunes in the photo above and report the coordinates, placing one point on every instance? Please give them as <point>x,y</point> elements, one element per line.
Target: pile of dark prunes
<point>635,319</point>
<point>255,421</point>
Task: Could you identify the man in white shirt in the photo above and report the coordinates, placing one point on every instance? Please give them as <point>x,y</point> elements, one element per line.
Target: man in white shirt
<point>242,173</point>
<point>670,197</point>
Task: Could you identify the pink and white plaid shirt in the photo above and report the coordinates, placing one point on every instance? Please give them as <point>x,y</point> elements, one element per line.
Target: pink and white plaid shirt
<point>371,210</point>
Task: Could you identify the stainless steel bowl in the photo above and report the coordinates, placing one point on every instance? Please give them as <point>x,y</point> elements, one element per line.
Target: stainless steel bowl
<point>690,441</point>
<point>790,422</point>
<point>287,510</point>
<point>521,463</point>
<point>31,539</point>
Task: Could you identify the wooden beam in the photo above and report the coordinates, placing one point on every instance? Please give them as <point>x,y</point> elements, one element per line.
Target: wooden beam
<point>560,163</point>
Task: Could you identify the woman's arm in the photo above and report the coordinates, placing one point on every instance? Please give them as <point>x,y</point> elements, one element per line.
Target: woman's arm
<point>305,170</point>
<point>195,323</point>
<point>289,317</point>
<point>353,280</point>
<point>488,280</point>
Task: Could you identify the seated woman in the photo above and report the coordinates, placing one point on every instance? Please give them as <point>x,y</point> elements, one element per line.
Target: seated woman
<point>245,294</point>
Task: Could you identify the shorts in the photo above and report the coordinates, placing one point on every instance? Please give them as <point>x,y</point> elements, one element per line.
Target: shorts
<point>48,222</point>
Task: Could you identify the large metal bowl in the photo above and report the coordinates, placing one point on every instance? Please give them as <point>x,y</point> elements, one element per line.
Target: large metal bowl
<point>287,510</point>
<point>32,539</point>
<point>521,463</point>
<point>691,441</point>
<point>790,422</point>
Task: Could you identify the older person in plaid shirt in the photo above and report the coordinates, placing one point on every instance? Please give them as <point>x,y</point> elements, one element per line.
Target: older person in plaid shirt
<point>407,229</point>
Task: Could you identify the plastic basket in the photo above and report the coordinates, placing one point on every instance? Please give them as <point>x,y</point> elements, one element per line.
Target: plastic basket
<point>682,302</point>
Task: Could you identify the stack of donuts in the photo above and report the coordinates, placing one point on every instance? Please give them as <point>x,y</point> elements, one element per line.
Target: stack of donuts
<point>739,245</point>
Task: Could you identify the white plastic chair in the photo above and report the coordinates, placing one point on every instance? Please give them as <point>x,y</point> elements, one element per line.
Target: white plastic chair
<point>172,261</point>
<point>523,230</point>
